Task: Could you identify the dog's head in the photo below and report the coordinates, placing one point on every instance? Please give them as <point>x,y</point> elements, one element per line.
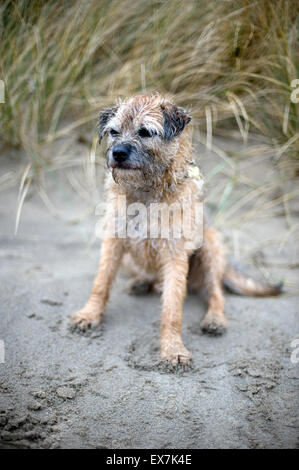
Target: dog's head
<point>143,138</point>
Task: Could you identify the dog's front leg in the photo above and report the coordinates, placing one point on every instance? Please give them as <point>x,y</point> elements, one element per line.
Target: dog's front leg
<point>175,270</point>
<point>213,264</point>
<point>91,313</point>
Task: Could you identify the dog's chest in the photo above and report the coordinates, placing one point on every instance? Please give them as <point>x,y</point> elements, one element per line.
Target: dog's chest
<point>146,253</point>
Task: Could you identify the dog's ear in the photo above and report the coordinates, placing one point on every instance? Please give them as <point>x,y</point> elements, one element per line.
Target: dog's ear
<point>104,117</point>
<point>175,120</point>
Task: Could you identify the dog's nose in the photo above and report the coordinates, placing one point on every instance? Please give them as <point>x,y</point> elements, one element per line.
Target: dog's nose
<point>121,152</point>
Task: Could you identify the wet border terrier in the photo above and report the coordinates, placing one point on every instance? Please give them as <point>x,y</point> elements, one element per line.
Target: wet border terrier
<point>149,155</point>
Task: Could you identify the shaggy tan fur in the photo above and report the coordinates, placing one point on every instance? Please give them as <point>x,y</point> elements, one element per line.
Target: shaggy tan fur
<point>158,170</point>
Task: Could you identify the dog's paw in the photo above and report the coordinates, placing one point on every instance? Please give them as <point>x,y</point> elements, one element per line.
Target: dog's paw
<point>85,318</point>
<point>139,287</point>
<point>214,324</point>
<point>175,353</point>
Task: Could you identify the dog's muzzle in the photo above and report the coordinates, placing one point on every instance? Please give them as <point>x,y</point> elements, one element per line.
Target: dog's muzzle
<point>120,156</point>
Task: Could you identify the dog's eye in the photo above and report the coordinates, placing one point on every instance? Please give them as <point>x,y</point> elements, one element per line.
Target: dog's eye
<point>114,132</point>
<point>143,132</point>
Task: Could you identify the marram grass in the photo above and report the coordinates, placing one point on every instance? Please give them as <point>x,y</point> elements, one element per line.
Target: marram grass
<point>230,62</point>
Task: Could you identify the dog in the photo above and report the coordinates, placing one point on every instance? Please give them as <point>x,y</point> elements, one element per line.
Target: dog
<point>149,155</point>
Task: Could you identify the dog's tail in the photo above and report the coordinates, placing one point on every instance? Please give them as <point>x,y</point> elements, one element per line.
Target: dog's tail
<point>238,284</point>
